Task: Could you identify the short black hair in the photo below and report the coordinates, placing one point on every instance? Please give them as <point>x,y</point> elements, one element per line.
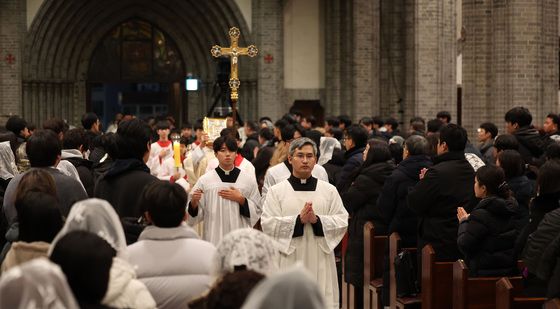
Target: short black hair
<point>311,119</point>
<point>232,289</point>
<point>198,126</point>
<point>54,124</point>
<point>132,139</point>
<point>186,125</point>
<point>73,138</point>
<point>162,125</point>
<point>252,125</point>
<point>287,132</point>
<point>332,121</point>
<point>552,151</point>
<point>336,133</point>
<point>358,134</point>
<point>454,136</point>
<point>547,179</point>
<point>367,121</point>
<point>378,152</point>
<point>345,119</point>
<point>520,115</point>
<point>165,202</point>
<point>554,117</point>
<point>230,132</point>
<point>39,217</point>
<point>77,249</point>
<point>444,114</point>
<point>506,141</point>
<point>392,122</point>
<point>435,125</point>
<point>378,120</point>
<point>43,148</point>
<point>490,128</point>
<point>512,163</point>
<point>88,120</point>
<point>266,134</point>
<point>15,124</point>
<point>229,142</point>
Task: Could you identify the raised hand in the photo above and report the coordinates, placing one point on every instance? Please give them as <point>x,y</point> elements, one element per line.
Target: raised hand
<point>462,214</point>
<point>422,173</point>
<point>196,196</point>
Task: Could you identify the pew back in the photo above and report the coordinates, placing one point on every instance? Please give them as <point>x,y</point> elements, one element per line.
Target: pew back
<point>437,281</point>
<point>506,297</point>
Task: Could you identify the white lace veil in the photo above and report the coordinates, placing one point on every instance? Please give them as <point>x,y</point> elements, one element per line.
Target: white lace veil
<point>8,168</point>
<point>38,283</point>
<point>98,217</point>
<point>326,149</point>
<point>292,288</point>
<point>249,247</point>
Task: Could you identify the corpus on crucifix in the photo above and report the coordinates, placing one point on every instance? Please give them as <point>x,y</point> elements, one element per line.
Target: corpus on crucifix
<point>234,51</point>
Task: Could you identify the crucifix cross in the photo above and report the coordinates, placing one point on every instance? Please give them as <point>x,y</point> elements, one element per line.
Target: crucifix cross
<point>234,51</point>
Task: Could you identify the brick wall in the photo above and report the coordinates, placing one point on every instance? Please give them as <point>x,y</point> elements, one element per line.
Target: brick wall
<point>12,27</point>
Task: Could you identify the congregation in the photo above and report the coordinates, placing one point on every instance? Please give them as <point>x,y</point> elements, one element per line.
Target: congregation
<point>153,214</point>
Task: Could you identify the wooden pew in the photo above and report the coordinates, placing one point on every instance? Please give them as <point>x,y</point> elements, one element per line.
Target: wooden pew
<point>374,253</point>
<point>475,293</point>
<point>506,299</point>
<point>398,302</point>
<point>552,304</point>
<point>347,288</point>
<point>437,281</point>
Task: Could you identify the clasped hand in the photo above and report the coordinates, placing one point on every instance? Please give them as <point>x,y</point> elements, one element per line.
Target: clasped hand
<point>307,215</point>
<point>232,194</point>
<point>462,214</point>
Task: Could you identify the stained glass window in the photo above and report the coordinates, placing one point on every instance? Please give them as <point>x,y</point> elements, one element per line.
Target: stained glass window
<point>136,51</point>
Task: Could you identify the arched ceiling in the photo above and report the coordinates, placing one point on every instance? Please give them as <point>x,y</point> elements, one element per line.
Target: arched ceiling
<point>64,34</point>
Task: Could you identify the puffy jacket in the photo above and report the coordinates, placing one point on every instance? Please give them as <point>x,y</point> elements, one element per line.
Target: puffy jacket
<point>174,264</point>
<point>353,161</point>
<point>487,237</point>
<point>124,290</point>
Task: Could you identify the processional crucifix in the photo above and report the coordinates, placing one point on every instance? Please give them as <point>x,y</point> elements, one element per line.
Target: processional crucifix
<point>234,51</point>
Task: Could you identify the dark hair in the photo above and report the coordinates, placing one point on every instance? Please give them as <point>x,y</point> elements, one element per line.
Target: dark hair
<point>299,128</point>
<point>506,141</point>
<point>162,125</point>
<point>490,128</point>
<point>88,120</point>
<point>86,260</point>
<point>417,119</point>
<point>232,289</point>
<point>358,134</point>
<point>73,139</point>
<point>519,115</point>
<point>435,125</point>
<point>336,132</point>
<point>367,121</point>
<point>16,124</point>
<point>547,180</point>
<point>252,125</point>
<point>54,124</point>
<point>280,123</point>
<point>378,152</point>
<point>132,139</point>
<point>417,145</point>
<point>39,217</point>
<point>444,114</point>
<point>392,122</point>
<point>165,203</point>
<point>494,178</point>
<point>311,119</point>
<point>553,151</point>
<point>454,136</point>
<point>231,133</point>
<point>186,125</point>
<point>433,140</point>
<point>43,148</point>
<point>396,152</point>
<point>266,134</point>
<point>35,180</point>
<point>554,117</point>
<point>512,163</point>
<point>287,132</point>
<point>264,118</point>
<point>344,119</point>
<point>229,142</point>
<point>198,126</point>
<point>378,121</point>
<point>315,136</point>
<point>418,126</point>
<point>332,121</point>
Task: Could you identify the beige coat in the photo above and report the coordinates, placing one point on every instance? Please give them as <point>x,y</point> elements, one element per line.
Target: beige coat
<point>21,252</point>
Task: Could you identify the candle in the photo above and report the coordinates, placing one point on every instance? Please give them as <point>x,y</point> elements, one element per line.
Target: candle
<point>177,154</point>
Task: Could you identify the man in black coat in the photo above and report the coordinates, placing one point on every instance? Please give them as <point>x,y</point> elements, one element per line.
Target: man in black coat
<point>531,144</point>
<point>72,151</point>
<point>355,141</point>
<point>441,189</point>
<point>124,181</point>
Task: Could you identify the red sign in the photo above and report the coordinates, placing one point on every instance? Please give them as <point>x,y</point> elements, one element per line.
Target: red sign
<point>10,59</point>
<point>268,58</point>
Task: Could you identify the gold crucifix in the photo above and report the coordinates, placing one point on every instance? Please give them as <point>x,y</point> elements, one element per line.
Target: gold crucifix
<point>234,51</point>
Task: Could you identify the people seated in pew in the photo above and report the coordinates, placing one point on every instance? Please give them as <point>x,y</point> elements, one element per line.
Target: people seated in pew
<point>487,235</point>
<point>361,203</point>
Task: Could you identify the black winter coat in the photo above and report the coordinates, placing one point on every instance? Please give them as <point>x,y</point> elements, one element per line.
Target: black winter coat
<point>361,202</point>
<point>531,145</point>
<point>85,171</point>
<point>392,202</point>
<point>540,206</point>
<point>523,190</point>
<point>353,161</point>
<point>487,238</point>
<point>445,186</point>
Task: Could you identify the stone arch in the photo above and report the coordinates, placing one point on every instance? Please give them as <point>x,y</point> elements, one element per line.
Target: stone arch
<point>65,33</point>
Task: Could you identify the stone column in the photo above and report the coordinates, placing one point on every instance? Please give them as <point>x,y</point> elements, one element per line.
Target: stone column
<point>267,30</point>
<point>435,55</point>
<point>510,58</point>
<point>12,30</point>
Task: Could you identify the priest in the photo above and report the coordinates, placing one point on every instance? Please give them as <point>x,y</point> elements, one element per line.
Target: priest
<point>225,198</point>
<point>307,218</point>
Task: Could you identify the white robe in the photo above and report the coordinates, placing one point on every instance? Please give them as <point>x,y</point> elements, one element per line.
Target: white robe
<point>281,172</point>
<point>280,211</point>
<point>245,165</point>
<point>168,169</point>
<point>220,215</point>
<point>154,162</point>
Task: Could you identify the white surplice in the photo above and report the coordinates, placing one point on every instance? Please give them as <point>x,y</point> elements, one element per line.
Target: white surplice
<point>154,161</point>
<point>219,214</point>
<point>281,208</point>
